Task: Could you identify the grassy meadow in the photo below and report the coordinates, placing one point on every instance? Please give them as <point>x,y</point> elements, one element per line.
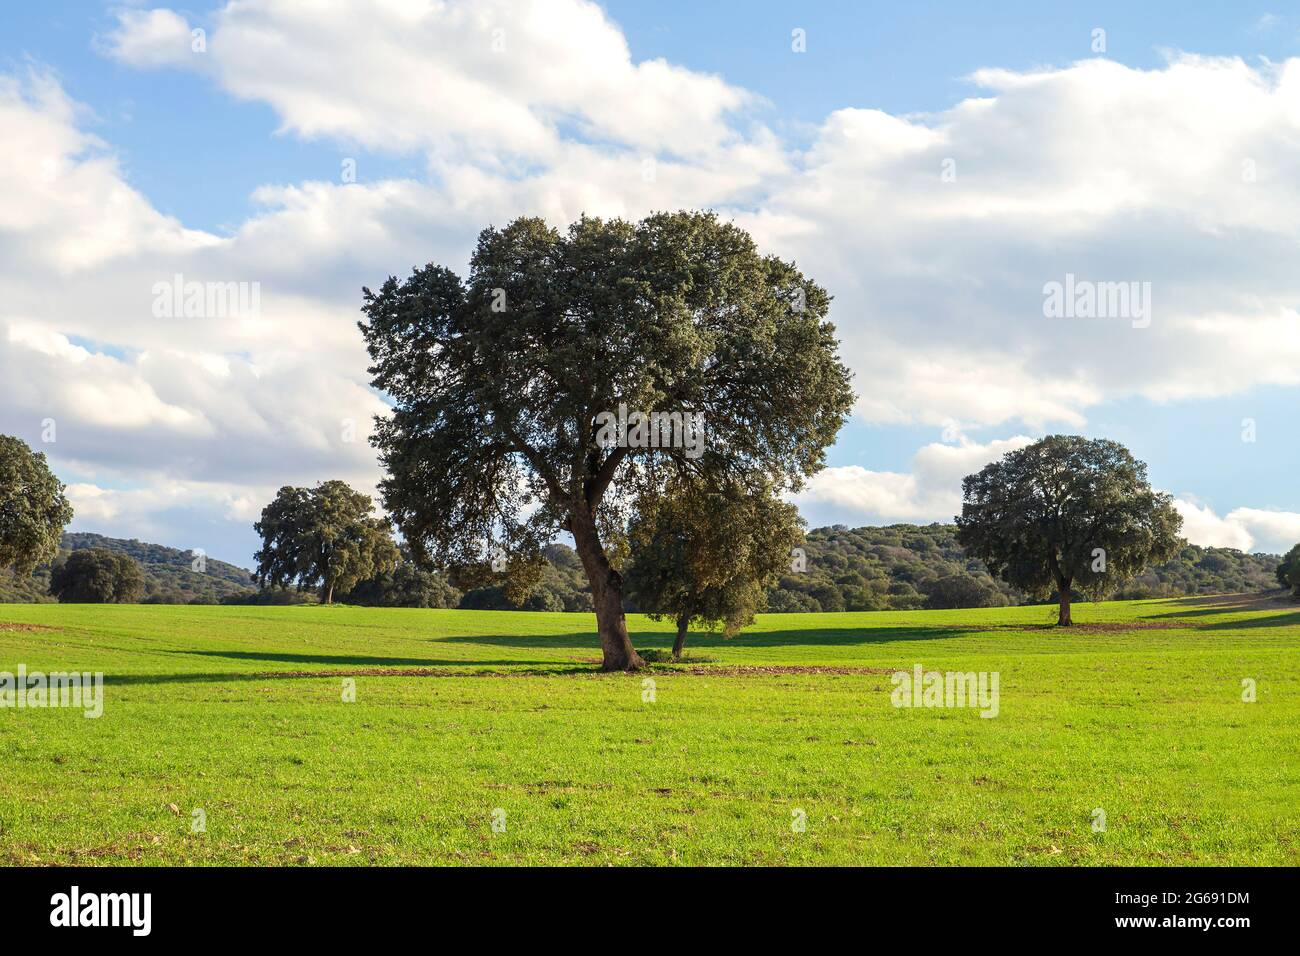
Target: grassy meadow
<point>239,712</point>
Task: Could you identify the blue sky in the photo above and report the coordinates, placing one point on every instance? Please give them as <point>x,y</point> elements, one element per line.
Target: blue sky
<point>230,163</point>
<point>901,57</point>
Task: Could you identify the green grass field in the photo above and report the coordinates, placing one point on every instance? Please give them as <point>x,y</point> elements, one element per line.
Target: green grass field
<point>239,712</point>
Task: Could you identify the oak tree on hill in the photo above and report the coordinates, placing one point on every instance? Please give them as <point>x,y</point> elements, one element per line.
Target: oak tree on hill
<point>1066,511</point>
<point>323,537</point>
<point>504,385</point>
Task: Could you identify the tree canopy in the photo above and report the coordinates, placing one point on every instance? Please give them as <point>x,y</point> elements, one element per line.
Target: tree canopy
<point>324,537</point>
<point>33,507</point>
<point>404,585</point>
<point>97,576</point>
<point>1067,511</point>
<point>1288,570</point>
<point>504,385</point>
<point>708,556</point>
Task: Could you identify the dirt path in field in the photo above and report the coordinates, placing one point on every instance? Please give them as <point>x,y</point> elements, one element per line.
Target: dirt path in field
<point>698,670</point>
<point>741,670</point>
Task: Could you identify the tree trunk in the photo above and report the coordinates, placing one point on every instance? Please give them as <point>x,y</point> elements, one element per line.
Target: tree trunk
<point>607,598</point>
<point>683,623</point>
<point>1063,615</point>
<point>329,593</point>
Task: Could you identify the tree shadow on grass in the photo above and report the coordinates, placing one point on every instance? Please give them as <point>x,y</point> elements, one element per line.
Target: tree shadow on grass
<point>1216,605</point>
<point>1291,619</point>
<point>318,666</point>
<point>810,637</point>
<point>473,670</point>
<point>1192,615</point>
<point>356,660</point>
<point>1207,604</point>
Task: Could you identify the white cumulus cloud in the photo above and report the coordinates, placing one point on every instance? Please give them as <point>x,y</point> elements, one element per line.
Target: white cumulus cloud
<point>935,233</point>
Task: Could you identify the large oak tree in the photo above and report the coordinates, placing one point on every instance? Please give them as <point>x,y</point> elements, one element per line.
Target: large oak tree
<point>1067,511</point>
<point>500,382</point>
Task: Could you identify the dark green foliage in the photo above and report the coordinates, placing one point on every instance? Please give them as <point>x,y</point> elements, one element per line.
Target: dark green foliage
<point>890,568</point>
<point>1197,570</point>
<point>96,576</point>
<point>322,538</point>
<point>1288,571</point>
<point>31,588</point>
<point>272,597</point>
<point>500,383</point>
<point>962,589</point>
<point>900,567</point>
<point>169,574</point>
<point>706,556</point>
<point>404,586</point>
<point>862,564</point>
<point>562,586</point>
<point>1067,512</point>
<point>33,508</point>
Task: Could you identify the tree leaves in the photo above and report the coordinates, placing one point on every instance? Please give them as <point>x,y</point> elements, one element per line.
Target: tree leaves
<point>97,576</point>
<point>323,537</point>
<point>492,441</point>
<point>33,508</point>
<point>1065,511</point>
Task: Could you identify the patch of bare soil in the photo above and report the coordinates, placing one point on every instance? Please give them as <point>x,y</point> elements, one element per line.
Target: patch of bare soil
<point>1109,627</point>
<point>703,670</point>
<point>385,672</point>
<point>739,670</point>
<point>16,626</point>
<point>736,670</point>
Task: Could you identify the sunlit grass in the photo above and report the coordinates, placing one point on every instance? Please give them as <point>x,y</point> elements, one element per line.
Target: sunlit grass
<point>1140,715</point>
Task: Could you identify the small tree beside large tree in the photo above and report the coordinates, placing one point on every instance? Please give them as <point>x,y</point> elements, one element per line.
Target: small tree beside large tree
<point>33,508</point>
<point>500,384</point>
<point>1067,511</point>
<point>707,557</point>
<point>323,538</point>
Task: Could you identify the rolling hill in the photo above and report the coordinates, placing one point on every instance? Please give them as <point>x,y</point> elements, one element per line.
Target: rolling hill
<point>169,576</point>
<point>899,567</point>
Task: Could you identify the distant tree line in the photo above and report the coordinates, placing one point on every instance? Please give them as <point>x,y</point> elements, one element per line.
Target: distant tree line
<point>898,567</point>
<point>709,559</point>
<point>910,567</point>
<point>169,574</point>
